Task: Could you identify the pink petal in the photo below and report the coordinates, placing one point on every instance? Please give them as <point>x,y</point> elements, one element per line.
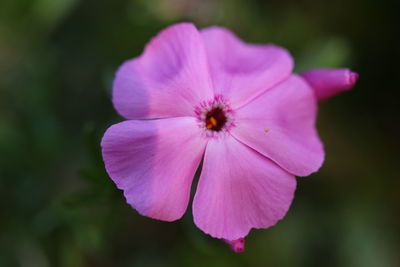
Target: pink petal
<point>239,189</point>
<point>242,71</point>
<point>280,124</point>
<point>330,82</point>
<point>168,79</point>
<point>154,163</point>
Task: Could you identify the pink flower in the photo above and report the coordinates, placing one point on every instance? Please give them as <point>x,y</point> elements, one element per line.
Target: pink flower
<point>236,106</point>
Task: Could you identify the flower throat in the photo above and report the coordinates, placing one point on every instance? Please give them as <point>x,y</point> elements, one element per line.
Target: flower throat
<point>215,116</point>
<point>215,119</point>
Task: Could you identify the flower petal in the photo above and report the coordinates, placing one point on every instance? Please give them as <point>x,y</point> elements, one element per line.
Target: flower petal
<point>239,189</point>
<point>280,124</point>
<point>330,82</point>
<point>242,71</point>
<point>168,79</point>
<point>154,163</point>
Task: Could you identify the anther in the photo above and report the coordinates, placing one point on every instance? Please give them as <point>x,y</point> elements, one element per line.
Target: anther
<point>215,119</point>
<point>211,122</point>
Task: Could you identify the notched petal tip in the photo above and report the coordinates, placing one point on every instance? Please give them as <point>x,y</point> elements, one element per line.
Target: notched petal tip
<point>330,82</point>
<point>236,245</point>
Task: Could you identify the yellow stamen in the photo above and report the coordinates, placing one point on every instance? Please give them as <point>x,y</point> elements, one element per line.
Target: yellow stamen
<point>211,123</point>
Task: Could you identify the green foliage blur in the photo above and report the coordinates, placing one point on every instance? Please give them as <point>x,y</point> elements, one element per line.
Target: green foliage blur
<point>59,208</point>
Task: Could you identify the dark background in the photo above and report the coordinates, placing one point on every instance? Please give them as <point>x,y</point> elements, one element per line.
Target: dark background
<point>59,208</point>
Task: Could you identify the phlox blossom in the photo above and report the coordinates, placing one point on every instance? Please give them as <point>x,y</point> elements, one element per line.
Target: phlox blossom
<point>207,96</point>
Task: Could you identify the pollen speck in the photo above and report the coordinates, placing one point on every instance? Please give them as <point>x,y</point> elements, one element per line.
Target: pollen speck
<point>266,130</point>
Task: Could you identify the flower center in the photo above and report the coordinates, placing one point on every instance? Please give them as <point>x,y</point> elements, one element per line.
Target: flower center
<point>215,116</point>
<point>215,119</point>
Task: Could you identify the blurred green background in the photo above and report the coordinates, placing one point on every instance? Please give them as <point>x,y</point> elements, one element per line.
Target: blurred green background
<point>59,208</point>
